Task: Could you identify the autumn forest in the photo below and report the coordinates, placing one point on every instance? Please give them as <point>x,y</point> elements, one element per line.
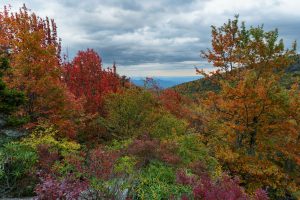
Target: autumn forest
<point>72,128</point>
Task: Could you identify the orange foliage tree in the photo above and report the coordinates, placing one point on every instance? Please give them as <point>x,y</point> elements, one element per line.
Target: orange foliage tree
<point>253,116</point>
<point>35,66</point>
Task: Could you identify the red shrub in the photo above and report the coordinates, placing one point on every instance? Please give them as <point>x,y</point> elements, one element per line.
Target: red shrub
<point>147,149</point>
<point>225,188</point>
<point>100,164</point>
<point>46,157</point>
<point>67,188</point>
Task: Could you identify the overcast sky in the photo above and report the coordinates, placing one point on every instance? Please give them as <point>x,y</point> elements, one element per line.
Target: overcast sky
<point>157,38</point>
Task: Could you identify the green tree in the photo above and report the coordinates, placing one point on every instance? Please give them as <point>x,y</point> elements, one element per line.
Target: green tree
<point>10,99</point>
<point>127,113</point>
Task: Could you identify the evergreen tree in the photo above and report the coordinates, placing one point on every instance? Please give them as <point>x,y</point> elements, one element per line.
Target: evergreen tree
<point>10,99</point>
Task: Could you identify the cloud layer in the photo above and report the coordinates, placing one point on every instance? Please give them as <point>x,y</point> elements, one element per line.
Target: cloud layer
<point>163,37</point>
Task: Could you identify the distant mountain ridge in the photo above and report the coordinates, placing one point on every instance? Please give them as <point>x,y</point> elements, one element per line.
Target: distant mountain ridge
<point>165,81</point>
<point>189,85</point>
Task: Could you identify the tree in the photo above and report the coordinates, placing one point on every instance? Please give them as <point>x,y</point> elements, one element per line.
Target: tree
<point>127,113</point>
<point>236,48</point>
<point>252,111</point>
<point>10,99</point>
<point>35,66</point>
<point>175,103</point>
<point>134,112</point>
<point>87,79</point>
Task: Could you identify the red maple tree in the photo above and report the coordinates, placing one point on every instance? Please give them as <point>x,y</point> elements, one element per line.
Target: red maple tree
<point>86,79</point>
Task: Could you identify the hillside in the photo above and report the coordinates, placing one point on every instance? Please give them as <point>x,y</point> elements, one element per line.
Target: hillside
<point>203,85</point>
<point>193,87</point>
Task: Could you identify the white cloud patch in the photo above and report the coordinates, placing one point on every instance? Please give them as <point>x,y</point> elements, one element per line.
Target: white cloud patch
<point>185,68</point>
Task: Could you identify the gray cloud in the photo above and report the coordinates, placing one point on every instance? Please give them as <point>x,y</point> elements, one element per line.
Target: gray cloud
<point>157,37</point>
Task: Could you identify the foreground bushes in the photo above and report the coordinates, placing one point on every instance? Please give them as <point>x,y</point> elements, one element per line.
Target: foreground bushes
<point>20,161</point>
<point>137,165</point>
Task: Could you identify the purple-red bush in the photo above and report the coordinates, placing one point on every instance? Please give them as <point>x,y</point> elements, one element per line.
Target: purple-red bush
<point>147,149</point>
<point>101,163</point>
<point>225,188</point>
<point>46,157</point>
<point>67,188</point>
<point>260,194</point>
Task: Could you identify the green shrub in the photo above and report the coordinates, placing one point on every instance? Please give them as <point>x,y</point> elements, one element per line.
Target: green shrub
<point>191,149</point>
<point>168,125</point>
<point>17,162</point>
<point>158,181</point>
